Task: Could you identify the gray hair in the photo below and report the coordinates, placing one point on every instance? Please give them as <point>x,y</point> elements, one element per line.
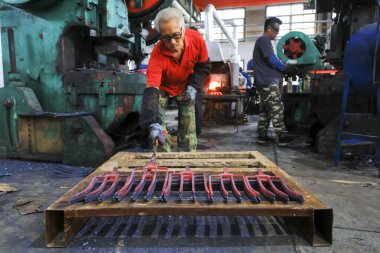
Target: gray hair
<point>167,15</point>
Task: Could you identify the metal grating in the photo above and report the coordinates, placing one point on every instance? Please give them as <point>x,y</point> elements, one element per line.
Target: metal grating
<point>66,216</point>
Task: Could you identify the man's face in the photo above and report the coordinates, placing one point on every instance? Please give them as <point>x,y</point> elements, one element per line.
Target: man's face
<point>273,30</point>
<point>172,35</point>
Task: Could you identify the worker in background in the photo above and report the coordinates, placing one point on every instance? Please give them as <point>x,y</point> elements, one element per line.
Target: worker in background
<point>268,70</point>
<point>247,79</point>
<point>178,67</point>
<point>250,65</point>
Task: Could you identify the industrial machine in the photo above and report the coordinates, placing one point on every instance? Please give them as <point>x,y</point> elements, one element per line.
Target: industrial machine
<point>298,49</point>
<point>354,47</point>
<point>315,106</point>
<point>222,88</point>
<point>71,91</point>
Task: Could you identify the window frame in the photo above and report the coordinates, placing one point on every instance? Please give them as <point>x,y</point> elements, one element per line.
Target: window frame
<point>218,35</point>
<point>289,24</point>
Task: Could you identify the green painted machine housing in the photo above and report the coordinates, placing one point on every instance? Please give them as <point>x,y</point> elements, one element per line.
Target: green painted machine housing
<point>70,56</point>
<point>310,59</point>
<point>298,49</point>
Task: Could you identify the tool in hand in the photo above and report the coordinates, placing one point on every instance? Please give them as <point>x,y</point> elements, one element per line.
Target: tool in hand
<point>156,143</point>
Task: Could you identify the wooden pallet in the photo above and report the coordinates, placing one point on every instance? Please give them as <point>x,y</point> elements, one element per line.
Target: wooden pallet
<point>313,217</point>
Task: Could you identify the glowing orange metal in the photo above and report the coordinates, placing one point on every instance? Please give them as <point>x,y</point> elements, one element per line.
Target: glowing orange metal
<point>213,85</point>
<point>323,71</point>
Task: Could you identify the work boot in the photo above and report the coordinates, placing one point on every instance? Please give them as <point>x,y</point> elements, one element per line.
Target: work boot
<point>285,139</point>
<point>263,139</point>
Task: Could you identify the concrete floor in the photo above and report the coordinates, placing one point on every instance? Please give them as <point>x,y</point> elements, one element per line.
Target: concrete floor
<point>355,200</point>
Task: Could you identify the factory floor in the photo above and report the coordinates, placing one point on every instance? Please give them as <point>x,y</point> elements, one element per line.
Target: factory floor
<point>353,193</point>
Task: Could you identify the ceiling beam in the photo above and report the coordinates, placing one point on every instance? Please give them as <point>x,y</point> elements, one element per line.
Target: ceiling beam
<point>219,4</point>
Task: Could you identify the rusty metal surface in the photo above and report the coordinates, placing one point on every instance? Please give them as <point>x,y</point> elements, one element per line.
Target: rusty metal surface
<point>62,219</point>
<point>40,136</point>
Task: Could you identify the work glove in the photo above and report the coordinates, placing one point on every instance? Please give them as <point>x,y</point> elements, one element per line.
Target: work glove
<point>291,70</point>
<point>157,134</point>
<point>149,110</point>
<point>190,94</point>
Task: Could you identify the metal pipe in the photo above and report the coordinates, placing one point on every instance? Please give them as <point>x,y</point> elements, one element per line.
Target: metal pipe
<point>178,6</point>
<point>209,24</point>
<point>210,15</point>
<point>236,39</point>
<point>235,59</point>
<point>376,58</point>
<point>191,11</point>
<point>201,24</point>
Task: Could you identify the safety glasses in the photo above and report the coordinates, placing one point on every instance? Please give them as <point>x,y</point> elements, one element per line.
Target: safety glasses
<point>175,36</point>
<point>276,29</point>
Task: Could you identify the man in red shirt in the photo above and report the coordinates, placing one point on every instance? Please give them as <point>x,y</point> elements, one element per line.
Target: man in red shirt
<point>178,67</point>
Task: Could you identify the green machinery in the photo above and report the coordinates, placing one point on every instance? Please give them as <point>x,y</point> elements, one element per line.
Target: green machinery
<point>315,110</point>
<point>298,49</point>
<point>69,94</point>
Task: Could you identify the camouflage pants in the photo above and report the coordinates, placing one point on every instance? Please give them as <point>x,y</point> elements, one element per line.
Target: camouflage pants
<point>271,108</point>
<point>186,134</point>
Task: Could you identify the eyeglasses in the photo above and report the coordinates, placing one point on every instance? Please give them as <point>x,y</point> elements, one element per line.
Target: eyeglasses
<point>175,36</point>
<point>276,29</point>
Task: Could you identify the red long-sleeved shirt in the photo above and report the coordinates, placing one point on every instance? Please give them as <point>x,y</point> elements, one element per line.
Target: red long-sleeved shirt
<point>169,75</point>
